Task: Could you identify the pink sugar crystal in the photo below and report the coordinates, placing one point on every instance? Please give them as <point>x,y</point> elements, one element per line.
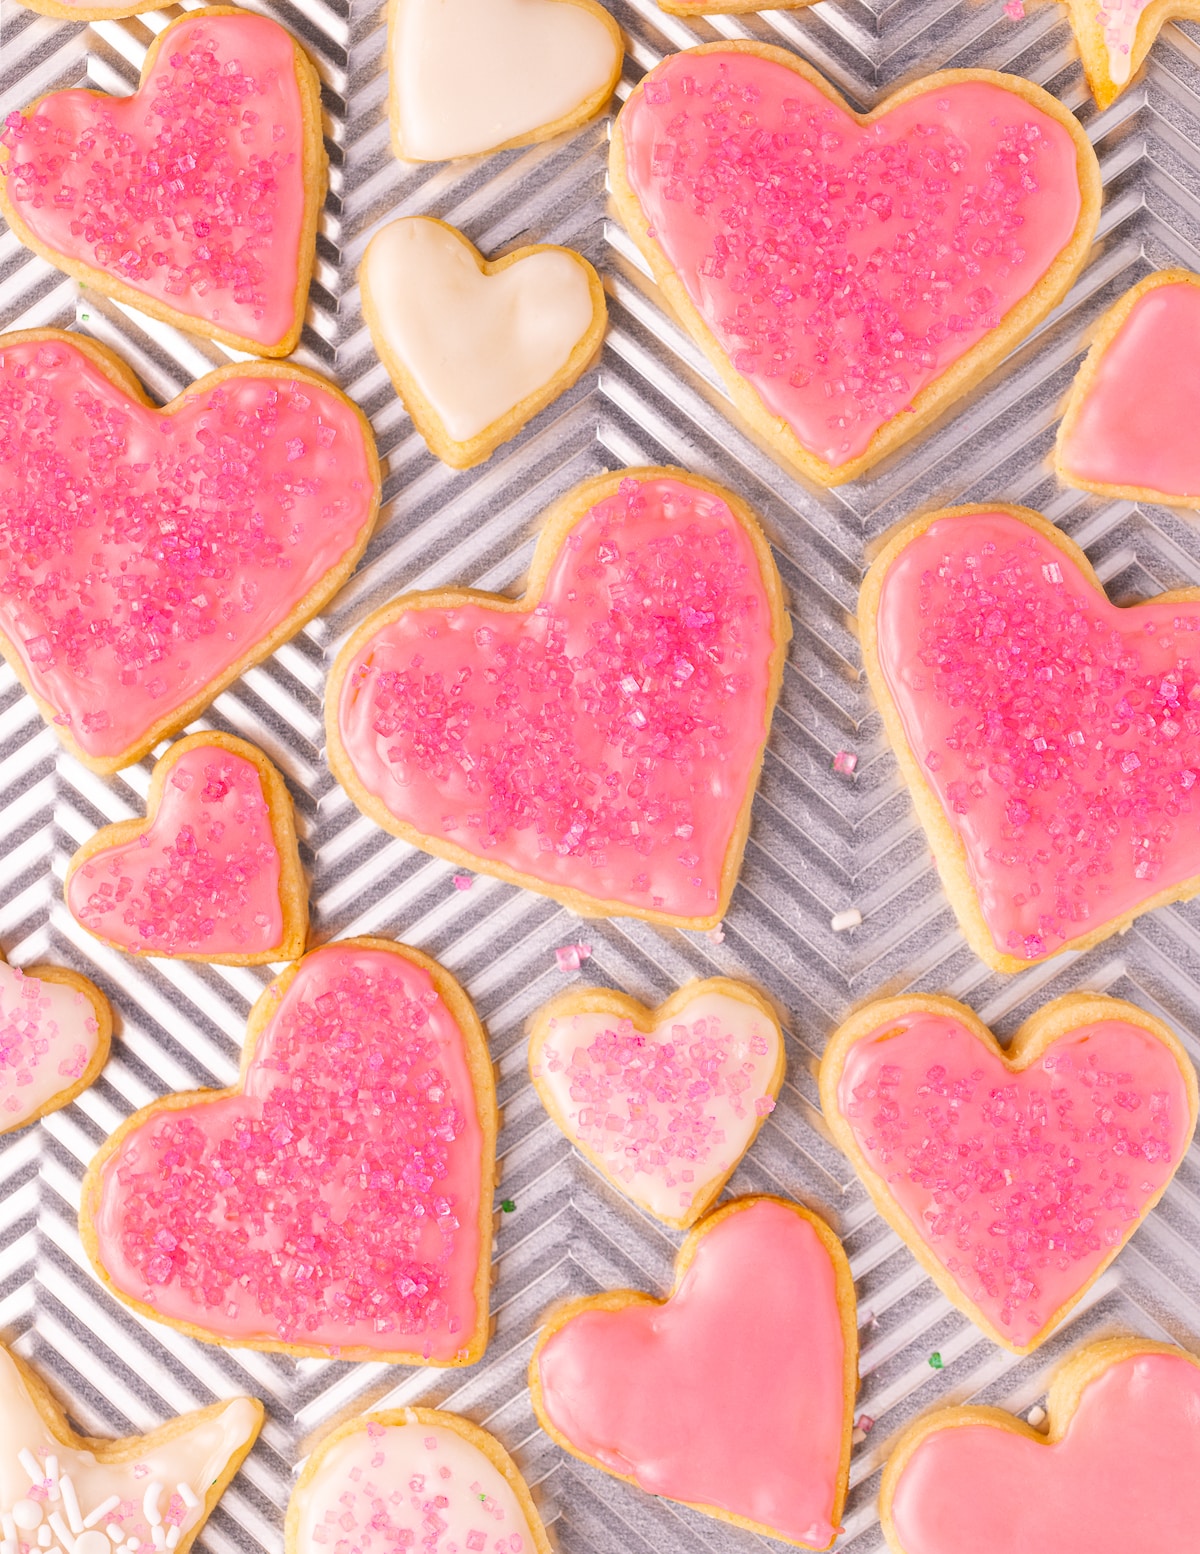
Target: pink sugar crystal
<point>571,956</point>
<point>1015,9</point>
<point>845,762</point>
<point>463,881</point>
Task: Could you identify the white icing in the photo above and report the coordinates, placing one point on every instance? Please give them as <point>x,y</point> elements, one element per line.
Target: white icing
<point>471,75</point>
<point>48,1036</point>
<point>476,344</point>
<point>1119,22</point>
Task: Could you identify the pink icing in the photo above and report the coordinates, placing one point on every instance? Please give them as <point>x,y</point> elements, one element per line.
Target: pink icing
<point>1137,424</point>
<point>1021,1184</point>
<point>843,267</point>
<point>48,1036</point>
<point>603,742</point>
<point>142,554</point>
<point>335,1201</point>
<point>1060,733</point>
<point>732,1394</point>
<point>202,879</point>
<point>191,191</point>
<point>1124,1477</point>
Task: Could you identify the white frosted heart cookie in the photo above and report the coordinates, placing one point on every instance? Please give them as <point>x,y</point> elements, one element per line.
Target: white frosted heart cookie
<point>476,349</point>
<point>471,76</point>
<point>55,1032</point>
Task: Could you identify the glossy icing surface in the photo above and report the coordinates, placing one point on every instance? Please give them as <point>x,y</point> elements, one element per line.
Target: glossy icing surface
<point>731,1394</point>
<point>142,554</point>
<point>476,344</point>
<point>48,1036</point>
<point>191,191</point>
<point>335,1201</point>
<point>670,1111</point>
<point>1122,1478</point>
<point>1118,21</point>
<point>1060,733</point>
<point>841,267</point>
<point>202,879</point>
<point>602,742</point>
<point>1021,1184</point>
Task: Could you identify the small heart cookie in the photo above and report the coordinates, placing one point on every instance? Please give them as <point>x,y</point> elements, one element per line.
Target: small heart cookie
<point>476,349</point>
<point>735,1395</point>
<point>55,1033</point>
<point>665,1101</point>
<point>337,1201</point>
<point>1114,37</point>
<point>471,76</point>
<point>197,198</point>
<point>213,872</point>
<point>1015,1177</point>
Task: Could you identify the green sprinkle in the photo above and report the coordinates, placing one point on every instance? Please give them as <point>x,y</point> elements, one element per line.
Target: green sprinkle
<point>86,317</point>
<point>507,1205</point>
<point>935,1360</point>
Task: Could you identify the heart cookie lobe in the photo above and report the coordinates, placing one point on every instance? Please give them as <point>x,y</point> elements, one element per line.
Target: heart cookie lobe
<point>736,1394</point>
<point>197,198</point>
<point>475,350</point>
<point>1048,738</point>
<point>1116,1470</point>
<point>212,874</point>
<point>665,1101</point>
<point>474,76</point>
<point>850,276</point>
<point>151,556</point>
<point>599,739</point>
<point>338,1201</point>
<point>1015,1177</point>
<point>55,1032</point>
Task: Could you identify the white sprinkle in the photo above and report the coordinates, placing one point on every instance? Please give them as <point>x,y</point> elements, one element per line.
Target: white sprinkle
<point>52,1470</point>
<point>150,1502</point>
<point>1036,1416</point>
<point>30,1463</point>
<point>133,1545</point>
<point>8,1547</point>
<point>45,1537</point>
<point>172,1537</point>
<point>93,1542</point>
<point>848,919</point>
<point>102,1511</point>
<point>71,1503</point>
<point>159,1536</point>
<point>27,1514</point>
<point>115,1533</point>
<point>10,1528</point>
<point>188,1495</point>
<point>61,1533</point>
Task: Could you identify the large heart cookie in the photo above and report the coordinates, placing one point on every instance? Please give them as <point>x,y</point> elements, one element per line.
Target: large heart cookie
<point>337,1202</point>
<point>469,76</point>
<point>1048,738</point>
<point>735,1395</point>
<point>850,276</point>
<point>664,1101</point>
<point>1114,37</point>
<point>599,739</point>
<point>55,1030</point>
<point>197,198</point>
<point>147,557</point>
<point>1118,1471</point>
<point>476,349</point>
<point>213,873</point>
<point>1016,1177</point>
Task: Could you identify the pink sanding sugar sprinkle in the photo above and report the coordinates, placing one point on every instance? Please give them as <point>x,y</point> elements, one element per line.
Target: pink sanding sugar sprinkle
<point>571,956</point>
<point>845,762</point>
<point>463,881</point>
<point>1015,9</point>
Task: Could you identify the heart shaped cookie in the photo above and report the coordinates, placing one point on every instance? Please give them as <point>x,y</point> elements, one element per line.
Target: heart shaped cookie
<point>388,1480</point>
<point>1116,1472</point>
<point>196,199</point>
<point>149,556</point>
<point>1048,738</point>
<point>850,276</point>
<point>67,1491</point>
<point>476,349</point>
<point>1129,426</point>
<point>1114,37</point>
<point>599,739</point>
<point>55,1032</point>
<point>337,1201</point>
<point>469,76</point>
<point>665,1101</point>
<point>1014,1176</point>
<point>735,1395</point>
<point>213,872</point>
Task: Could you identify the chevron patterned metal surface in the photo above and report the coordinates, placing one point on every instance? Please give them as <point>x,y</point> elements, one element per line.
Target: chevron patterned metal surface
<point>820,842</point>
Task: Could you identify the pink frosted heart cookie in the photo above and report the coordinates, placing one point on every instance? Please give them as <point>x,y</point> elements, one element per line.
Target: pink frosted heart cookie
<point>850,276</point>
<point>196,199</point>
<point>599,739</point>
<point>337,1201</point>
<point>55,1031</point>
<point>148,557</point>
<point>213,873</point>
<point>735,1395</point>
<point>665,1101</point>
<point>1014,1176</point>
<point>1115,1473</point>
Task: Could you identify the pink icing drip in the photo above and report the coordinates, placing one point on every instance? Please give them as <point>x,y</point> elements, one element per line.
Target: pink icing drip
<point>141,554</point>
<point>1061,734</point>
<point>336,1201</point>
<point>842,268</point>
<point>192,190</point>
<point>730,1395</point>
<point>204,878</point>
<point>1022,1185</point>
<point>1124,1476</point>
<point>603,742</point>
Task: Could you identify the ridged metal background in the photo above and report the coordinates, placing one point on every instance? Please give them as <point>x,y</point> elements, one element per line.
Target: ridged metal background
<point>820,842</point>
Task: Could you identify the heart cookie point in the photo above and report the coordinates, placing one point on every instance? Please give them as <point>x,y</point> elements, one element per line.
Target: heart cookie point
<point>55,1030</point>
